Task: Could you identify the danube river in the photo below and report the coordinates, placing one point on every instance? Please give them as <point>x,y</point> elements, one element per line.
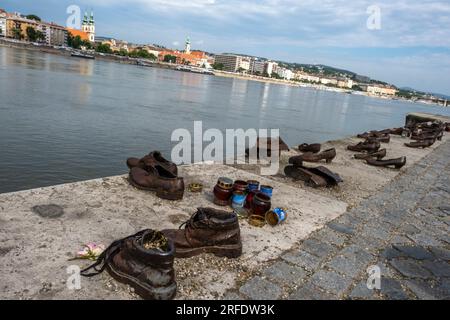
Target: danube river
<point>65,119</point>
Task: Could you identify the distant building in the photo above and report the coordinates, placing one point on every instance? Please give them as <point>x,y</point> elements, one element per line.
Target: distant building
<point>75,32</point>
<point>187,47</point>
<point>284,73</point>
<point>381,90</point>
<point>257,66</point>
<point>244,64</point>
<point>2,23</point>
<point>329,81</point>
<point>17,26</point>
<point>194,58</point>
<point>230,62</point>
<point>306,77</point>
<point>270,67</point>
<point>88,26</point>
<point>345,83</point>
<point>55,35</point>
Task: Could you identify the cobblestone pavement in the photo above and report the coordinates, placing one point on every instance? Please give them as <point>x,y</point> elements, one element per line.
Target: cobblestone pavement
<point>403,229</point>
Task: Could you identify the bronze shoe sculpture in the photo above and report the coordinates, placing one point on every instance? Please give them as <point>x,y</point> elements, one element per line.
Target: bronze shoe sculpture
<point>327,155</point>
<point>397,163</point>
<point>380,154</point>
<point>314,147</point>
<point>208,231</point>
<point>374,134</point>
<point>386,138</point>
<point>365,147</point>
<point>304,174</point>
<point>144,261</point>
<point>396,131</point>
<point>152,159</point>
<point>420,144</point>
<point>156,178</point>
<point>314,177</point>
<point>264,146</point>
<point>428,136</point>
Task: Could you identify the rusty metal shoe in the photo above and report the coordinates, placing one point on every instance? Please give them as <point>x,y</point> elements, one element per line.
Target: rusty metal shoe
<point>314,147</point>
<point>156,178</point>
<point>428,136</point>
<point>365,147</point>
<point>264,147</point>
<point>313,177</point>
<point>207,231</point>
<point>327,155</point>
<point>396,131</point>
<point>304,174</point>
<point>153,158</point>
<point>386,138</point>
<point>397,163</point>
<point>380,154</point>
<point>143,261</point>
<point>420,144</point>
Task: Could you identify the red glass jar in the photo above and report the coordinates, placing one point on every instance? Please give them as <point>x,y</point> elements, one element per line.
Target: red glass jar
<point>261,204</point>
<point>249,200</point>
<point>223,191</point>
<point>240,185</point>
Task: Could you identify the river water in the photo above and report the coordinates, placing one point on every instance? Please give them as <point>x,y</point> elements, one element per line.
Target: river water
<point>65,119</point>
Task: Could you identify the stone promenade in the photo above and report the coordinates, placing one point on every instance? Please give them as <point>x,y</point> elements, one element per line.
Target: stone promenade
<point>403,229</point>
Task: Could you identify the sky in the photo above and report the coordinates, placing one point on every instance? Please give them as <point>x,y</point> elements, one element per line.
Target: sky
<point>403,42</point>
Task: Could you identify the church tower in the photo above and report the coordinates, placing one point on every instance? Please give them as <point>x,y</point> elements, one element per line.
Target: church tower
<point>187,48</point>
<point>88,26</point>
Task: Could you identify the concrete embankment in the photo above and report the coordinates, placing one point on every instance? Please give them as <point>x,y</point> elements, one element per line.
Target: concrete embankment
<point>35,248</point>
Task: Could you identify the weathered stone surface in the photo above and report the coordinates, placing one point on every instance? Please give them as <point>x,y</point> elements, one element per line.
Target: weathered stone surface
<point>317,247</point>
<point>424,239</point>
<point>302,259</point>
<point>308,291</point>
<point>285,273</point>
<point>342,228</point>
<point>415,252</point>
<point>424,290</point>
<point>362,292</point>
<point>391,253</point>
<point>232,296</point>
<point>331,282</point>
<point>350,261</point>
<point>330,236</point>
<point>410,268</point>
<point>258,288</point>
<point>378,232</point>
<point>408,229</point>
<point>392,289</point>
<point>441,253</point>
<point>48,210</point>
<point>438,268</point>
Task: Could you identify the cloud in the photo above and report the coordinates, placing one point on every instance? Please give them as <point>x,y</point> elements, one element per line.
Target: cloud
<point>308,22</point>
<point>176,43</point>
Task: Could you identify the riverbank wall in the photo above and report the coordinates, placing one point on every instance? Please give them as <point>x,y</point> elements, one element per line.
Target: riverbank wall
<point>36,247</point>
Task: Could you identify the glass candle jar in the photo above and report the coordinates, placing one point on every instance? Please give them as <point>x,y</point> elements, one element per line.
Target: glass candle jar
<point>268,190</point>
<point>276,216</point>
<point>261,204</point>
<point>240,185</point>
<point>249,200</point>
<point>238,199</point>
<point>252,185</point>
<point>223,191</point>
